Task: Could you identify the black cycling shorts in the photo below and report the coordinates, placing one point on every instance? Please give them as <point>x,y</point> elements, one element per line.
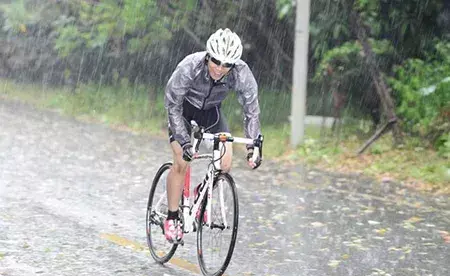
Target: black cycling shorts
<point>212,119</point>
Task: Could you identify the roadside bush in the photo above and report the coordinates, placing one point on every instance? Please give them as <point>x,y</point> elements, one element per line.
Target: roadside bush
<point>422,90</point>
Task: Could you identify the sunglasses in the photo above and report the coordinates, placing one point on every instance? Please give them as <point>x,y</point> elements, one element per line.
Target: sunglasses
<point>219,63</point>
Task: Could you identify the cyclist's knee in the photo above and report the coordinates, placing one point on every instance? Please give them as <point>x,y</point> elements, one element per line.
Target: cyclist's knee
<point>226,163</point>
<point>179,165</point>
<point>226,167</point>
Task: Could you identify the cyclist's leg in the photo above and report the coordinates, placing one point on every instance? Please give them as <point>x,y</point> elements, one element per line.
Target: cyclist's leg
<point>175,183</point>
<point>227,159</point>
<point>175,179</point>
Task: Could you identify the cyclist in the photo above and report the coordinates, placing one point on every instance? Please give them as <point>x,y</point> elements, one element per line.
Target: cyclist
<point>195,91</point>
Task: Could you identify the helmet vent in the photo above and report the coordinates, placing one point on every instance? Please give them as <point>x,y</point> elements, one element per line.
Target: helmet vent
<point>224,45</point>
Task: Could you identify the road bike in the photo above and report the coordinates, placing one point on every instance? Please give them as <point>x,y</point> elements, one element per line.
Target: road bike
<point>212,212</point>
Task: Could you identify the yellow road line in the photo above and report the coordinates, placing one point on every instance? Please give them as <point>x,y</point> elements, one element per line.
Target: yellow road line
<point>135,246</point>
<point>122,241</point>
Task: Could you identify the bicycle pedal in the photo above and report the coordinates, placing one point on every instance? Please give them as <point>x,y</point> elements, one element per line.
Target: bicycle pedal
<point>181,242</point>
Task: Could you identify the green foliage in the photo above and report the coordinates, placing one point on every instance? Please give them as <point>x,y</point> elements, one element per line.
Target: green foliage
<point>17,16</point>
<point>406,22</point>
<point>120,105</point>
<point>342,57</point>
<point>343,69</point>
<point>109,23</point>
<point>443,145</point>
<point>284,7</point>
<point>20,15</point>
<point>68,40</point>
<point>329,26</point>
<point>349,58</point>
<point>423,93</point>
<point>369,11</point>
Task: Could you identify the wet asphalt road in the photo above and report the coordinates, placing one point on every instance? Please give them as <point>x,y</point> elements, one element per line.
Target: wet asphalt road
<point>73,197</point>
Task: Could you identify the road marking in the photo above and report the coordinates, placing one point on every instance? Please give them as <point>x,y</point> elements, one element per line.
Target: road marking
<point>122,241</point>
<point>135,246</point>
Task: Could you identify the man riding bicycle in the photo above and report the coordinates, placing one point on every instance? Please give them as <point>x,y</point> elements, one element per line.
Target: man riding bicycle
<point>195,91</point>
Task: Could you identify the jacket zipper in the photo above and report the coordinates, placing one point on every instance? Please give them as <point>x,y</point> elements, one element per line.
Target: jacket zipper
<point>209,94</point>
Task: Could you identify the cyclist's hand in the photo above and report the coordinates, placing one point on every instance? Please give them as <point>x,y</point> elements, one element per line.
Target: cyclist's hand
<point>252,164</point>
<point>188,153</point>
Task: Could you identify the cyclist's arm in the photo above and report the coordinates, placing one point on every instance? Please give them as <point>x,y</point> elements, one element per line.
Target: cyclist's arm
<point>176,90</point>
<point>247,90</point>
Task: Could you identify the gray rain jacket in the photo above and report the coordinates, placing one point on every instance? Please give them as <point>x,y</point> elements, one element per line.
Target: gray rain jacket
<point>191,81</point>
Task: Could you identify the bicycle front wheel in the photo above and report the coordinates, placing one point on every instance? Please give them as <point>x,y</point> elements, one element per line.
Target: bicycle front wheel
<point>215,242</point>
<point>157,209</point>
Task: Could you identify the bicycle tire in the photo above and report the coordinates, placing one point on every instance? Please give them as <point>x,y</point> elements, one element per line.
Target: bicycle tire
<point>203,250</point>
<point>155,222</point>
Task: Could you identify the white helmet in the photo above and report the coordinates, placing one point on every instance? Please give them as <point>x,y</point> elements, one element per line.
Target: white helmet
<point>225,46</point>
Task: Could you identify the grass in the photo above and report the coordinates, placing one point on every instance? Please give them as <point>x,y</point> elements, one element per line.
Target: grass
<point>129,107</point>
<point>417,167</point>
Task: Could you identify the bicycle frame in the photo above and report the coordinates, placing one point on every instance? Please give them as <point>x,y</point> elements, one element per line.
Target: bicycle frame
<point>206,187</point>
<point>189,213</point>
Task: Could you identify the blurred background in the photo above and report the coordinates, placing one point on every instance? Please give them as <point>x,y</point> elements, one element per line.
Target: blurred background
<point>109,61</point>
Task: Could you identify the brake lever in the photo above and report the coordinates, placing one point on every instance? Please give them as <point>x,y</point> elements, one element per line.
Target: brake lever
<point>198,135</point>
<point>257,148</point>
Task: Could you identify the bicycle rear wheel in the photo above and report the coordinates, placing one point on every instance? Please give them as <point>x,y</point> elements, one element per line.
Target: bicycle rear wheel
<point>215,243</point>
<point>157,209</point>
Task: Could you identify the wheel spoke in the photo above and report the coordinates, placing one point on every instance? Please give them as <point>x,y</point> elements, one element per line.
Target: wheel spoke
<point>160,249</point>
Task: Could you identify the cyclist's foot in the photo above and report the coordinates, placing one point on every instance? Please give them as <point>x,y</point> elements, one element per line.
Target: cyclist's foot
<point>173,230</point>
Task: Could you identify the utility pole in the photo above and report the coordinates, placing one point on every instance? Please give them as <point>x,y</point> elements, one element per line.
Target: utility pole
<point>300,73</point>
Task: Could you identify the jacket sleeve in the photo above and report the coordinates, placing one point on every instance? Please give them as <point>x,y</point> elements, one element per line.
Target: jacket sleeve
<point>247,90</point>
<point>176,90</point>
